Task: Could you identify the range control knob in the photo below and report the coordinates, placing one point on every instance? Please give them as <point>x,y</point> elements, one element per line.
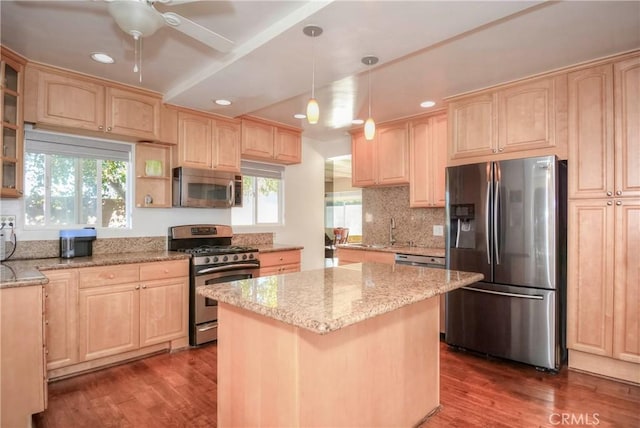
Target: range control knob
<point>244,257</point>
<point>225,258</point>
<point>235,257</point>
<point>215,259</point>
<point>251,255</point>
<point>206,260</point>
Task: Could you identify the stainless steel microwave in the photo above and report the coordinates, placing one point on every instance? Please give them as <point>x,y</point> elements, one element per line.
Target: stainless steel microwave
<point>203,188</point>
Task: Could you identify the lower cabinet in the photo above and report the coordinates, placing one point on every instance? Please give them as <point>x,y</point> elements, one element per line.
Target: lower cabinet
<point>22,376</point>
<point>278,262</point>
<point>347,256</point>
<point>100,315</point>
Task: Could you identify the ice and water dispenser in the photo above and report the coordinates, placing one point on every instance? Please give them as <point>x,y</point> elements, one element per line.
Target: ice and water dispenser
<point>462,226</point>
<point>76,242</point>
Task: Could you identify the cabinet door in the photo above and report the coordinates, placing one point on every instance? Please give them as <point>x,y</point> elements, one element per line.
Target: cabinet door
<point>194,140</point>
<point>164,310</point>
<point>392,143</point>
<point>288,146</point>
<point>591,166</point>
<point>590,276</point>
<point>627,127</point>
<point>428,160</point>
<point>257,140</point>
<point>347,256</point>
<point>226,146</point>
<point>67,101</point>
<point>61,315</point>
<point>132,114</point>
<point>626,323</point>
<point>363,161</point>
<point>380,257</point>
<point>526,116</point>
<point>472,127</point>
<point>109,320</point>
<point>11,122</point>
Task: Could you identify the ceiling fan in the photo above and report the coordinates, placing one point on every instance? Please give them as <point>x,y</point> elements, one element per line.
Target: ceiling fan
<point>140,18</point>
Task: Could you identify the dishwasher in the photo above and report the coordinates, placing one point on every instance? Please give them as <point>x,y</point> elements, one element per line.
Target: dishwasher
<point>430,262</point>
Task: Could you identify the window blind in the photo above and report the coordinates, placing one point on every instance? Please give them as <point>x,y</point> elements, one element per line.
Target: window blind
<point>266,170</point>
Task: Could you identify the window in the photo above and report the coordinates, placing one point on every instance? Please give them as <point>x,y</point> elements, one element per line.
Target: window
<point>344,209</point>
<point>262,196</point>
<point>75,181</point>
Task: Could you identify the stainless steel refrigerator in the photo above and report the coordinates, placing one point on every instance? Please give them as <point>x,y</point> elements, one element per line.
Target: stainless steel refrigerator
<point>507,220</point>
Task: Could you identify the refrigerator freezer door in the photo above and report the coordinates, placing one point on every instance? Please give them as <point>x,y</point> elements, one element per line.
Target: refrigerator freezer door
<point>525,200</point>
<point>468,245</point>
<point>510,322</point>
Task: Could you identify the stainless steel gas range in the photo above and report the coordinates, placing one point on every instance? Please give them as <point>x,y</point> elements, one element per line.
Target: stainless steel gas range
<point>213,260</point>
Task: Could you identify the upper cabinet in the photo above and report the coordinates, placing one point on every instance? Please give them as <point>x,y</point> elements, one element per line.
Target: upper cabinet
<point>206,141</point>
<point>605,151</point>
<point>427,161</point>
<point>72,101</point>
<point>518,120</point>
<point>11,126</point>
<point>383,161</point>
<point>267,142</point>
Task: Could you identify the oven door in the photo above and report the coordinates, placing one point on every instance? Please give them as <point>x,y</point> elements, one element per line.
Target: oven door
<point>206,309</point>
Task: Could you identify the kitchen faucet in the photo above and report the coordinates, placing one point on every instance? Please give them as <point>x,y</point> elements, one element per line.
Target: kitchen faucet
<point>392,225</point>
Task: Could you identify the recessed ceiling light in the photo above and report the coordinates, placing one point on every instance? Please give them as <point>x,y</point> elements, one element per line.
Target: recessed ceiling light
<point>102,57</point>
<point>357,121</point>
<point>223,102</point>
<point>427,104</point>
<point>300,116</point>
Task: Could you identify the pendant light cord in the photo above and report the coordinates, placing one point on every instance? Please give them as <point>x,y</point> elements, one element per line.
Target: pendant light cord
<point>369,91</point>
<point>313,64</point>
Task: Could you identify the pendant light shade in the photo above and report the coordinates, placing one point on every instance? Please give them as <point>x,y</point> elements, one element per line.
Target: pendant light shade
<point>370,124</point>
<point>313,109</point>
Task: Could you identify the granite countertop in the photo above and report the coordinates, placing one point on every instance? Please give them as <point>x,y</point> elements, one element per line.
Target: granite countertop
<point>20,273</point>
<point>420,251</point>
<point>270,248</point>
<point>326,300</point>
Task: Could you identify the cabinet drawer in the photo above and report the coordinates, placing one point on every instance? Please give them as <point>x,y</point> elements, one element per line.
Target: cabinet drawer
<point>277,270</point>
<point>280,258</point>
<point>162,270</point>
<point>107,275</point>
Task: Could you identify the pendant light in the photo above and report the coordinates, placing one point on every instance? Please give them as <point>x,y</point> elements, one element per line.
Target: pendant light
<point>369,124</point>
<point>313,110</point>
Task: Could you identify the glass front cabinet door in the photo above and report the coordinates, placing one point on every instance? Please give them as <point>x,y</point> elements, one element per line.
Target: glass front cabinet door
<point>11,128</point>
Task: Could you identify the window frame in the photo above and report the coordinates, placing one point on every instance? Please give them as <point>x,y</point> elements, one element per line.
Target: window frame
<point>262,170</point>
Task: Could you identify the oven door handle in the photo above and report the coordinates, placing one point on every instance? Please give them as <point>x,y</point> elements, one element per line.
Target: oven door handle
<point>228,268</point>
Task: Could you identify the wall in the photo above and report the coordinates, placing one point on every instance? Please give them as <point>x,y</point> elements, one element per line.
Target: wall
<point>379,205</point>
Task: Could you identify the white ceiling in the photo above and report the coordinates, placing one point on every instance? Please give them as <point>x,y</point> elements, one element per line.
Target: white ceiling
<point>427,50</point>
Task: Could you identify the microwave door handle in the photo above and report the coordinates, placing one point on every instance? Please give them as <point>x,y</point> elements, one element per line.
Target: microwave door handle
<point>232,190</point>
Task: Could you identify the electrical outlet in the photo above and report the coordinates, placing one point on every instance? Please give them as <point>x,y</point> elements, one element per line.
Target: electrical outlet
<point>8,221</point>
<point>438,230</point>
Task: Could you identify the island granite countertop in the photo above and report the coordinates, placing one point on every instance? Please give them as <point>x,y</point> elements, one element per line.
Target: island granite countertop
<point>326,300</point>
<point>21,273</point>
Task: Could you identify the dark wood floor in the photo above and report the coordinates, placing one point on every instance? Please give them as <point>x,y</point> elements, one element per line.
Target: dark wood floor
<point>179,390</point>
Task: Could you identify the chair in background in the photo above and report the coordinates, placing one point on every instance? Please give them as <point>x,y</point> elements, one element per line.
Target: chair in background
<point>340,235</point>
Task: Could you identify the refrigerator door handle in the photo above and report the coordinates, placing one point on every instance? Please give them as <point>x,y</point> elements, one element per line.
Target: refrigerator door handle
<point>486,221</point>
<point>501,293</point>
<point>496,212</point>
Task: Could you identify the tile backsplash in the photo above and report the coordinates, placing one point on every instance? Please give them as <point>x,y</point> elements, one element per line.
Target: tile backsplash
<point>379,205</point>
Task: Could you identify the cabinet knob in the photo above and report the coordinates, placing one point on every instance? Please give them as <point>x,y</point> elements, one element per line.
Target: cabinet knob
<point>144,286</point>
<point>137,287</point>
<point>619,192</point>
<point>494,151</point>
<point>108,129</point>
<point>500,149</point>
<point>618,202</point>
<point>101,127</point>
<point>46,322</point>
<point>609,193</point>
<point>609,203</point>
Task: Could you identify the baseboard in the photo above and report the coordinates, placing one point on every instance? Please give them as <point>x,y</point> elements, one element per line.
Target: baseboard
<point>599,365</point>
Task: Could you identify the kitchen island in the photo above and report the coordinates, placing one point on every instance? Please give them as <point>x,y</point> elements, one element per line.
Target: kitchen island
<point>355,345</point>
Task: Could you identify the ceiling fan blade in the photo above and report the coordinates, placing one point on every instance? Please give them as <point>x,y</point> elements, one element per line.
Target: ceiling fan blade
<point>198,32</point>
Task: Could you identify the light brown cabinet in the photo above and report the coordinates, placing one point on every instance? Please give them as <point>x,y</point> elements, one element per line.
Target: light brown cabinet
<point>383,161</point>
<point>427,161</point>
<point>23,386</point>
<point>61,318</point>
<point>603,323</point>
<point>267,142</point>
<point>279,262</point>
<point>207,142</point>
<point>64,99</point>
<point>153,176</point>
<point>347,256</point>
<point>11,123</point>
<point>518,120</point>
